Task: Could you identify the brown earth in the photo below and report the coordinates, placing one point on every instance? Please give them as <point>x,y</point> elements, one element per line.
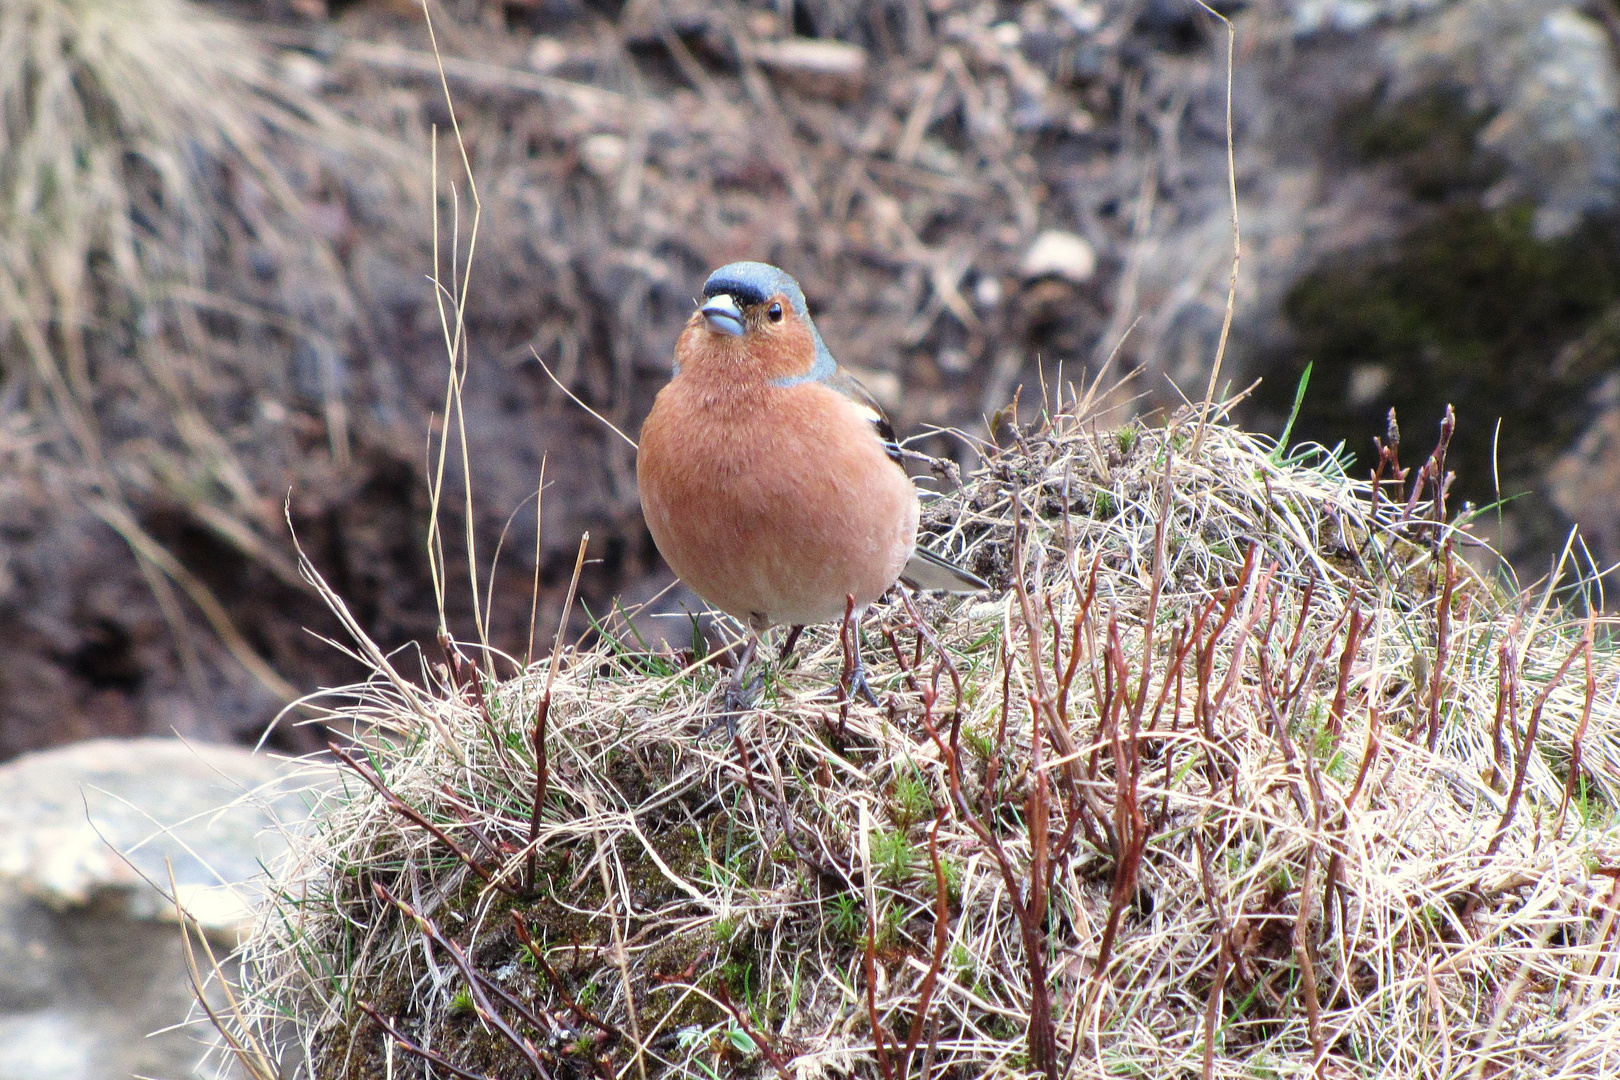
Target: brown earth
<point>621,151</point>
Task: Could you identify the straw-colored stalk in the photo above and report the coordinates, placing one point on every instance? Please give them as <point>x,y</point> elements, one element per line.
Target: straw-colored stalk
<point>1196,718</point>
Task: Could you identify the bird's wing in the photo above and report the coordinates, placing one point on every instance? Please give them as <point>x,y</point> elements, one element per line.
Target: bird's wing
<point>925,570</point>
<point>848,385</point>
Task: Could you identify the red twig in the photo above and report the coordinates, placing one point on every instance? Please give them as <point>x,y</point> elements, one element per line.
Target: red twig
<point>771,1055</point>
<point>1129,823</point>
<point>1580,730</point>
<point>1442,632</point>
<point>1507,705</point>
<point>1223,956</point>
<point>410,1047</point>
<point>942,916</point>
<point>476,984</point>
<point>869,966</point>
<point>1341,688</point>
<point>580,1013</point>
<point>1025,892</point>
<point>369,774</point>
<point>1336,860</point>
<point>1528,747</point>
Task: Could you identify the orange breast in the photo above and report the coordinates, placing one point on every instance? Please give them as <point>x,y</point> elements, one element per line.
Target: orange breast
<point>773,504</point>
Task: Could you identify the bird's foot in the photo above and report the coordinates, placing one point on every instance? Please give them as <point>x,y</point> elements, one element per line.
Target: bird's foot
<point>856,681</point>
<point>741,693</point>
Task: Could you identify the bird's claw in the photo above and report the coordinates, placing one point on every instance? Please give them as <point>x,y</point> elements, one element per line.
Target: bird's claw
<point>741,693</point>
<point>740,696</point>
<point>858,684</point>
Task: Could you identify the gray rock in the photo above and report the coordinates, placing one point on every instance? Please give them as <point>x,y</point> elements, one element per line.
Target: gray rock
<point>1545,70</point>
<point>91,962</point>
<point>1349,16</point>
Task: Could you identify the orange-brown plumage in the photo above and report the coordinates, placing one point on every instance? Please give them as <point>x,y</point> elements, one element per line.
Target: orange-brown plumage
<point>765,476</point>
<point>772,502</point>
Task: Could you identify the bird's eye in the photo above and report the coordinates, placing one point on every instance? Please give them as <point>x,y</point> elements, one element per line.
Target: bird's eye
<point>774,312</point>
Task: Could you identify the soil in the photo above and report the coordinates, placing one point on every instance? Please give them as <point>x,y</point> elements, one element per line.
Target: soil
<point>620,152</point>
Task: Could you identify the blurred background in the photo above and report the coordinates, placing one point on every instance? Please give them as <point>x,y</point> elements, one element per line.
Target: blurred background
<point>216,235</point>
<point>216,322</point>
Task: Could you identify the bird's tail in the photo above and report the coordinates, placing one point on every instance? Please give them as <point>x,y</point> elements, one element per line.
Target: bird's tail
<point>925,570</point>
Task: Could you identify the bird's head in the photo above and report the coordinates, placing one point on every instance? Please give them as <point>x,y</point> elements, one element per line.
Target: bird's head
<point>753,323</point>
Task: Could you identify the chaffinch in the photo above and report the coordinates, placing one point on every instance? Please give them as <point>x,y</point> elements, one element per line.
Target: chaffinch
<point>770,479</point>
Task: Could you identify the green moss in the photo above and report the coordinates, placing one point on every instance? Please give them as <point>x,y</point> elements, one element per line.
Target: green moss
<point>1469,309</point>
<point>1429,138</point>
<point>847,916</point>
<point>894,855</point>
<point>910,800</point>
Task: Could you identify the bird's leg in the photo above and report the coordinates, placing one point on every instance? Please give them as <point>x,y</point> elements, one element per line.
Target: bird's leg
<point>787,646</point>
<point>857,673</point>
<point>740,692</point>
<point>854,674</point>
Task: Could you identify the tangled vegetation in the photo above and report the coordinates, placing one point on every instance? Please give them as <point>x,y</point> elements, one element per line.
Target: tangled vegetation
<point>1243,771</point>
<point>162,286</point>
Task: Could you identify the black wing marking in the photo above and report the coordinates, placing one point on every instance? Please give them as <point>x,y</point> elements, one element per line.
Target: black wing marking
<point>846,384</point>
<point>926,570</point>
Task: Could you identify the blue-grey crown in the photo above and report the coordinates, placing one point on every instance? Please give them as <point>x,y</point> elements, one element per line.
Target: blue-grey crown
<point>755,283</point>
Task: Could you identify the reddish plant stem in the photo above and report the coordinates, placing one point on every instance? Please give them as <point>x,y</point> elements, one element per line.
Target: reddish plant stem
<point>1432,474</point>
<point>869,966</point>
<point>1223,955</point>
<point>1389,457</point>
<point>1507,705</point>
<point>1205,708</point>
<point>1336,860</point>
<point>942,916</point>
<point>410,1047</point>
<point>790,832</point>
<point>369,774</point>
<point>584,1016</point>
<point>1580,731</point>
<point>772,1056</point>
<point>1029,611</point>
<point>1528,747</point>
<point>908,670</point>
<point>476,984</point>
<point>992,769</point>
<point>1129,823</point>
<point>1304,948</point>
<point>1442,638</point>
<point>1347,659</point>
<point>1040,1034</point>
<point>1161,537</point>
<point>1305,957</point>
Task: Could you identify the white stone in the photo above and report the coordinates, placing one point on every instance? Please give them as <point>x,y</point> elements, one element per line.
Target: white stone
<point>547,54</point>
<point>1056,253</point>
<point>602,154</point>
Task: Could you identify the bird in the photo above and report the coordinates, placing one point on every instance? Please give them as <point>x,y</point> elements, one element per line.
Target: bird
<point>770,479</point>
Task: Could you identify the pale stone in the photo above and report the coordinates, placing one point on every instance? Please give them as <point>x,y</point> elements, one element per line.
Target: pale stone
<point>1056,253</point>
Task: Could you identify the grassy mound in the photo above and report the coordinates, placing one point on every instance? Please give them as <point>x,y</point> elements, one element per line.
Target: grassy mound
<point>1244,772</point>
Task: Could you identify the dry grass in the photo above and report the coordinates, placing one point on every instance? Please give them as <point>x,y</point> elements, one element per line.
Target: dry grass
<point>158,265</point>
<point>1244,773</point>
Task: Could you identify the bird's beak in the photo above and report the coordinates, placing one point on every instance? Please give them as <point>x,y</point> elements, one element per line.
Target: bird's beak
<point>723,315</point>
